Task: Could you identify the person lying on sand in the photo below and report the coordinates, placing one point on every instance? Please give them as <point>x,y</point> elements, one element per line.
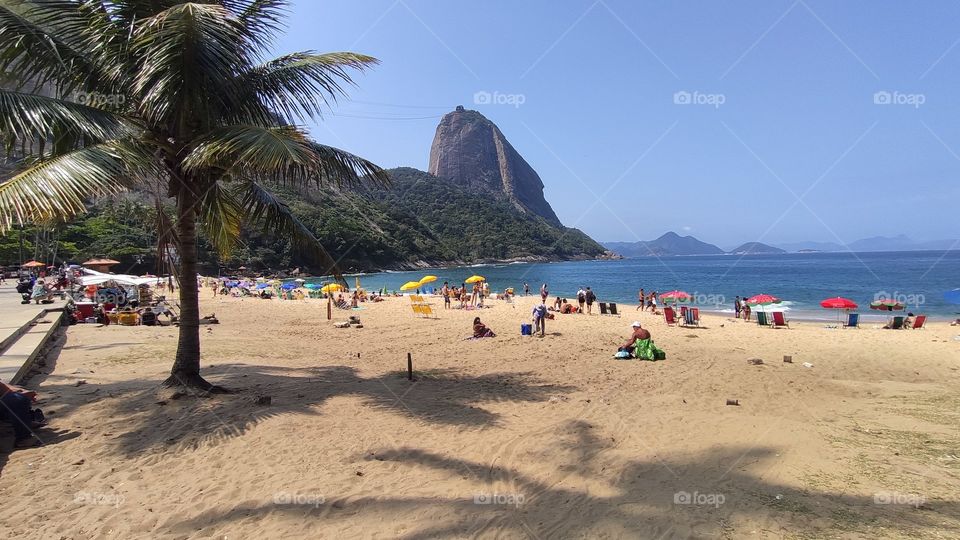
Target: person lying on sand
<point>480,330</point>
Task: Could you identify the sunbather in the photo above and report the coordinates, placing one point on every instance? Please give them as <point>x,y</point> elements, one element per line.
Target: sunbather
<point>638,333</point>
<point>480,330</point>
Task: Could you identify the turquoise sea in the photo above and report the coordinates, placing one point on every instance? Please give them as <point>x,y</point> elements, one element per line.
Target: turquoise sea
<point>917,279</point>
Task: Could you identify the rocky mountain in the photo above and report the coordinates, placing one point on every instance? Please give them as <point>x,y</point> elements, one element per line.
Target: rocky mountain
<point>670,243</point>
<point>470,150</point>
<point>755,248</point>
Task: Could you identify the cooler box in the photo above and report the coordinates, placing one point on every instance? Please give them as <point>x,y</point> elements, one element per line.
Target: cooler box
<point>85,309</point>
<point>526,329</point>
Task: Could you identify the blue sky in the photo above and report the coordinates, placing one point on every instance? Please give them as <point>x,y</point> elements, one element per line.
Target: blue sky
<point>728,121</point>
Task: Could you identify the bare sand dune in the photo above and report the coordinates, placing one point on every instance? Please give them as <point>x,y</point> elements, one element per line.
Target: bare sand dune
<point>510,437</point>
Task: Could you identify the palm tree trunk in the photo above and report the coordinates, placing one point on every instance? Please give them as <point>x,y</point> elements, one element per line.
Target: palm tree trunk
<point>186,365</point>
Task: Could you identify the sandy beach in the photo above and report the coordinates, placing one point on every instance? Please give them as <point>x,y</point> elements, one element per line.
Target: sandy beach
<point>507,437</point>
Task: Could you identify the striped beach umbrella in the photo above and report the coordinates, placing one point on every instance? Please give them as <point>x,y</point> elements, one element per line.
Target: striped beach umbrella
<point>886,304</point>
<point>679,297</point>
<point>763,300</point>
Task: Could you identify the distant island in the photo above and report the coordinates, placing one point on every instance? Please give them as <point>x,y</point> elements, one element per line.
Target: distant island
<point>672,244</point>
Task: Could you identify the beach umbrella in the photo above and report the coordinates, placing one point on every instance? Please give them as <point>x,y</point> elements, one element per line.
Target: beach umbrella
<point>34,264</point>
<point>763,300</point>
<point>410,285</point>
<point>288,286</point>
<point>427,279</point>
<point>474,279</point>
<point>952,297</point>
<point>839,303</point>
<point>262,286</point>
<point>886,304</point>
<point>331,287</point>
<point>312,286</point>
<point>676,296</point>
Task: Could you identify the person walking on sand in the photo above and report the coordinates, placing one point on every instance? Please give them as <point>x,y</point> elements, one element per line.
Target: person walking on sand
<point>736,307</point>
<point>653,303</point>
<point>526,289</point>
<point>581,298</point>
<point>640,299</point>
<point>540,318</point>
<point>544,293</point>
<point>590,299</point>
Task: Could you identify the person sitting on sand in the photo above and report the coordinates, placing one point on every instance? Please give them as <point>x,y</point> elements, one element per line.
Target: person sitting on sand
<point>567,307</point>
<point>480,330</point>
<point>638,333</point>
<point>15,408</point>
<point>540,318</point>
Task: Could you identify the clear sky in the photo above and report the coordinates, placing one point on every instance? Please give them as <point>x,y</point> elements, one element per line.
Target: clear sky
<point>745,121</point>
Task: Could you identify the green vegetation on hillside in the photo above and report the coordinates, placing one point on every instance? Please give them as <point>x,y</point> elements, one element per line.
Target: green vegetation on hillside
<point>419,218</point>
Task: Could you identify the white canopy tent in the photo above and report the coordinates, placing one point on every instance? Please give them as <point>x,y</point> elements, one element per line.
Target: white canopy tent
<point>92,277</point>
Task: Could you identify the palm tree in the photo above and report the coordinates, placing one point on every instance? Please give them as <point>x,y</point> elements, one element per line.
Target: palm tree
<point>176,98</point>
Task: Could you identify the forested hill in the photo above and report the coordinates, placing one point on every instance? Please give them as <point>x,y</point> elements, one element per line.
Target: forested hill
<point>419,220</point>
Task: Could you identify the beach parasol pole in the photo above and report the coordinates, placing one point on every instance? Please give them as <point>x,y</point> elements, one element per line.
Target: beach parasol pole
<point>329,306</point>
<point>410,366</point>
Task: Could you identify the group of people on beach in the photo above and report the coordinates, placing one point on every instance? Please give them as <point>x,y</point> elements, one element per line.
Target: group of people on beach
<point>472,297</point>
<point>741,308</point>
<point>647,301</point>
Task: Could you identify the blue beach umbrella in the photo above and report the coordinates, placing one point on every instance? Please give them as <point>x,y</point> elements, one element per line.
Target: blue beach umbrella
<point>312,286</point>
<point>288,286</point>
<point>261,286</point>
<point>952,297</point>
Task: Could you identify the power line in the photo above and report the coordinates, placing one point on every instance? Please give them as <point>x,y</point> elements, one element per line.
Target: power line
<point>387,117</point>
<point>399,106</point>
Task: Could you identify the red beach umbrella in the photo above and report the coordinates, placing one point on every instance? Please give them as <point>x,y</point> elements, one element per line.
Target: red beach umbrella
<point>838,303</point>
<point>675,296</point>
<point>763,300</point>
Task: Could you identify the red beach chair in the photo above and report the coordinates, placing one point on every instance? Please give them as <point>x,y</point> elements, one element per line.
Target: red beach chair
<point>669,316</point>
<point>779,320</point>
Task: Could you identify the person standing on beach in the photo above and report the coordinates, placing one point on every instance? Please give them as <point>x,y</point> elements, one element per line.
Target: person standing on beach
<point>526,289</point>
<point>736,307</point>
<point>640,299</point>
<point>540,318</point>
<point>445,291</point>
<point>653,303</point>
<point>581,298</point>
<point>745,309</point>
<point>544,293</point>
<point>590,298</point>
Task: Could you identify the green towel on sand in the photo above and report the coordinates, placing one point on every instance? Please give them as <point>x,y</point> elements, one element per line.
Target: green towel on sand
<point>644,349</point>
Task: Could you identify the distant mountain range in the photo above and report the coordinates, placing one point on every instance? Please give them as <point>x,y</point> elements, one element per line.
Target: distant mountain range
<point>672,243</point>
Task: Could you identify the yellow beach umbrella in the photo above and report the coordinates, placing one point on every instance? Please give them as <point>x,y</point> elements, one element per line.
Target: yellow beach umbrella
<point>474,279</point>
<point>410,285</point>
<point>427,279</point>
<point>331,287</point>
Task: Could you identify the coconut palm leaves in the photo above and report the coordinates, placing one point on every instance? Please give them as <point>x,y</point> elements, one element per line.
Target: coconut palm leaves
<point>112,94</point>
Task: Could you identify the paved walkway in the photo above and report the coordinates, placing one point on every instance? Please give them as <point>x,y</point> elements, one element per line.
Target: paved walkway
<point>19,342</point>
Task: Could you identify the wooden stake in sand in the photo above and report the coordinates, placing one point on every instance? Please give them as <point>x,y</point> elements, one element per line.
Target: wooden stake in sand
<point>409,366</point>
<point>329,306</point>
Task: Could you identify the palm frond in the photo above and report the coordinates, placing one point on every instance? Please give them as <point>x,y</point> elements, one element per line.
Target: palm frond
<point>57,188</point>
<point>42,42</point>
<point>32,115</point>
<point>221,218</point>
<point>260,19</point>
<point>284,154</point>
<point>188,57</point>
<point>274,216</point>
<point>300,85</point>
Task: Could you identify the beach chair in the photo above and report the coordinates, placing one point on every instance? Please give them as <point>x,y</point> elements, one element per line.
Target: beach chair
<point>762,318</point>
<point>896,323</point>
<point>669,316</point>
<point>696,315</point>
<point>689,319</point>
<point>918,322</point>
<point>683,312</point>
<point>853,321</point>
<point>779,320</point>
<point>613,310</point>
<point>603,308</point>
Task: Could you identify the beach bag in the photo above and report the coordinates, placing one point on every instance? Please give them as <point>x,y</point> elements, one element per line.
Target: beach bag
<point>644,349</point>
<point>623,355</point>
<point>526,329</point>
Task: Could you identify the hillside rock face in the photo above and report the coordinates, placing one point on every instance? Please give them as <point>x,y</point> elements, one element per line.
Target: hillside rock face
<point>471,150</point>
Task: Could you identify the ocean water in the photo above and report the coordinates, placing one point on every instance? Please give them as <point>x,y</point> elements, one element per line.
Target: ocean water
<point>918,279</point>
